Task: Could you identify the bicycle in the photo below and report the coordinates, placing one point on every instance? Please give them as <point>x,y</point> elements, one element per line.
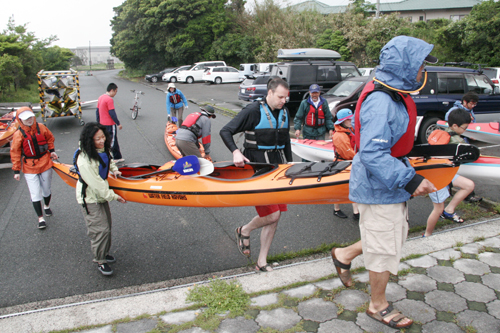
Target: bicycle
<point>136,107</point>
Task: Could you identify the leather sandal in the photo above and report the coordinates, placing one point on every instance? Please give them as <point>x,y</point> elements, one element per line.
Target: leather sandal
<point>239,242</point>
<point>390,311</point>
<point>263,268</point>
<point>345,277</point>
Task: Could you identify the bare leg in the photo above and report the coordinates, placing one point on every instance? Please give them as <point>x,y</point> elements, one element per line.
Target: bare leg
<point>433,218</point>
<point>378,301</point>
<point>336,206</point>
<point>466,186</point>
<point>268,224</point>
<point>355,209</point>
<point>347,254</point>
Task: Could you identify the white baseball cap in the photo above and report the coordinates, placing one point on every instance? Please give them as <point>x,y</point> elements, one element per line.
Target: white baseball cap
<point>26,114</point>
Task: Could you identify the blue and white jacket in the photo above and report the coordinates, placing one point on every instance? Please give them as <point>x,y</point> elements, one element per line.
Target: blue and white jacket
<point>376,176</point>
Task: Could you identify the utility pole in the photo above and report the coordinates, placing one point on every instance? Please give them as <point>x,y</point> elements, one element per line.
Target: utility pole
<point>90,57</point>
<point>377,14</point>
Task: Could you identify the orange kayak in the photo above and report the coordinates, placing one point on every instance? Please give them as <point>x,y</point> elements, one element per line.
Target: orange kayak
<point>254,184</point>
<point>8,127</point>
<point>170,141</point>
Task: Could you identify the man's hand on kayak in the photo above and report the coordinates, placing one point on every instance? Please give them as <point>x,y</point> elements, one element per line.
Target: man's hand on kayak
<point>239,159</point>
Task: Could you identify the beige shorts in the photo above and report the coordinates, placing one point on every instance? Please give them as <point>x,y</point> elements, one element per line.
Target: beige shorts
<point>384,229</point>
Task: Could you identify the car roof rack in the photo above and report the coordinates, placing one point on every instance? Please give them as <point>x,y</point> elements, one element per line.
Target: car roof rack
<point>466,64</point>
<point>308,54</point>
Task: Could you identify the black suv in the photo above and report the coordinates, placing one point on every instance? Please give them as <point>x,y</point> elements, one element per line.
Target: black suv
<point>301,74</point>
<point>445,85</point>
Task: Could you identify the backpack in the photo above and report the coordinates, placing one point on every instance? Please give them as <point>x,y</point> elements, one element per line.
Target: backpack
<point>439,137</point>
<point>74,169</point>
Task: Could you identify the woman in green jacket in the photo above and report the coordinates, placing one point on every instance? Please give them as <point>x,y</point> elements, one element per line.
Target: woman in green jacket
<point>94,163</point>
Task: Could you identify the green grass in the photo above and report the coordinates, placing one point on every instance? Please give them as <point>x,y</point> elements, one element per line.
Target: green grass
<point>219,296</point>
<point>28,95</point>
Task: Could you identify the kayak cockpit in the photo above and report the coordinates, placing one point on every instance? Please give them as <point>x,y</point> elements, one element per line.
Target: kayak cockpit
<point>137,169</point>
<point>227,170</point>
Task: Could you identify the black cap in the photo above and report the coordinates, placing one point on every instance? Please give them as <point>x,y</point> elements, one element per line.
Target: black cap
<point>208,109</point>
<point>431,59</point>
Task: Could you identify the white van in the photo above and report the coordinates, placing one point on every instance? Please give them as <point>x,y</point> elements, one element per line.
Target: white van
<point>247,69</point>
<point>195,73</point>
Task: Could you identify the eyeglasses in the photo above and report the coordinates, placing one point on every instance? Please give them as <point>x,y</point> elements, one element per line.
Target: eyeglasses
<point>466,126</point>
<point>472,103</point>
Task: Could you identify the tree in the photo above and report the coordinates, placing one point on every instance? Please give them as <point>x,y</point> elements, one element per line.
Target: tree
<point>482,41</point>
<point>149,34</point>
<point>334,40</point>
<point>56,58</point>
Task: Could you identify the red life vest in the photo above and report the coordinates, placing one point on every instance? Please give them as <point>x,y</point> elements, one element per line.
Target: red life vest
<point>175,98</point>
<point>405,143</point>
<point>315,117</point>
<point>34,146</point>
<point>190,123</point>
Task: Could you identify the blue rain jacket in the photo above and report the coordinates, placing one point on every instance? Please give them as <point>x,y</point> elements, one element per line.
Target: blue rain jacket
<point>376,176</point>
<point>458,105</point>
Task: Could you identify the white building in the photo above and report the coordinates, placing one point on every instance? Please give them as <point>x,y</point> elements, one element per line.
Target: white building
<point>98,54</point>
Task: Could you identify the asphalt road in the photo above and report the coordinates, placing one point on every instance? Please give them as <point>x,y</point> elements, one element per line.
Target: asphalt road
<point>153,244</point>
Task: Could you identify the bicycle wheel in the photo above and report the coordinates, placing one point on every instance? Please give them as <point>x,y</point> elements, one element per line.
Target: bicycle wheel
<point>135,111</point>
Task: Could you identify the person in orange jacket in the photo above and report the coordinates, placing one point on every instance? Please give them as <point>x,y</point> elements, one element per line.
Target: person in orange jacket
<point>343,141</point>
<point>32,151</point>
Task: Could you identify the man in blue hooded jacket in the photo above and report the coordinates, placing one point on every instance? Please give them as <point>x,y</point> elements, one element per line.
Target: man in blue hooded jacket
<point>382,180</point>
<point>468,102</point>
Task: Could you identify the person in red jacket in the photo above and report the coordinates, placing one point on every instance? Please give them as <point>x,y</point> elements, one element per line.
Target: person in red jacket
<point>32,151</point>
<point>343,141</point>
<point>106,115</point>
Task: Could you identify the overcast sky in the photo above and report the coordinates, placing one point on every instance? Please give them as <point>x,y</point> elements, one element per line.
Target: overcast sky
<point>78,22</point>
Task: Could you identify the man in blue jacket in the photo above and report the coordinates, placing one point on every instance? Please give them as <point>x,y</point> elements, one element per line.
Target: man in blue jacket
<point>176,103</point>
<point>382,179</point>
<point>468,102</point>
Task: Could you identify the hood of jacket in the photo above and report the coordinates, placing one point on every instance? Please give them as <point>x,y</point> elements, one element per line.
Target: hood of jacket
<point>400,60</point>
<point>27,129</point>
<point>458,104</point>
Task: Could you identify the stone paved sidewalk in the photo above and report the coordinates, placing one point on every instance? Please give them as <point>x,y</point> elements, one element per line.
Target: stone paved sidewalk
<point>452,290</point>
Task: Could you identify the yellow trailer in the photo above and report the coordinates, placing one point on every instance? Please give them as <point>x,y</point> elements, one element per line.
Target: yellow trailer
<point>60,94</point>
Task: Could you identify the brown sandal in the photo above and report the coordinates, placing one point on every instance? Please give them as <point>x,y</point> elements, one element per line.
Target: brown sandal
<point>239,242</point>
<point>345,277</point>
<point>389,311</point>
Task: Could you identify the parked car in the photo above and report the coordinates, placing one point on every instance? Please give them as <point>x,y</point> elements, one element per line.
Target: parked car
<point>321,67</point>
<point>254,87</point>
<point>346,93</point>
<point>494,74</point>
<point>366,71</point>
<point>247,69</point>
<point>195,73</point>
<point>444,86</point>
<point>157,76</point>
<point>172,76</point>
<point>222,74</point>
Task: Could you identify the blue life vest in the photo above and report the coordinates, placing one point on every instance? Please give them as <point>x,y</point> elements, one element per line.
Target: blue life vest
<point>270,133</point>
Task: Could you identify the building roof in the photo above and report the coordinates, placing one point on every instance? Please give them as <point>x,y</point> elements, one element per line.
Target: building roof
<point>404,5</point>
<point>407,5</point>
